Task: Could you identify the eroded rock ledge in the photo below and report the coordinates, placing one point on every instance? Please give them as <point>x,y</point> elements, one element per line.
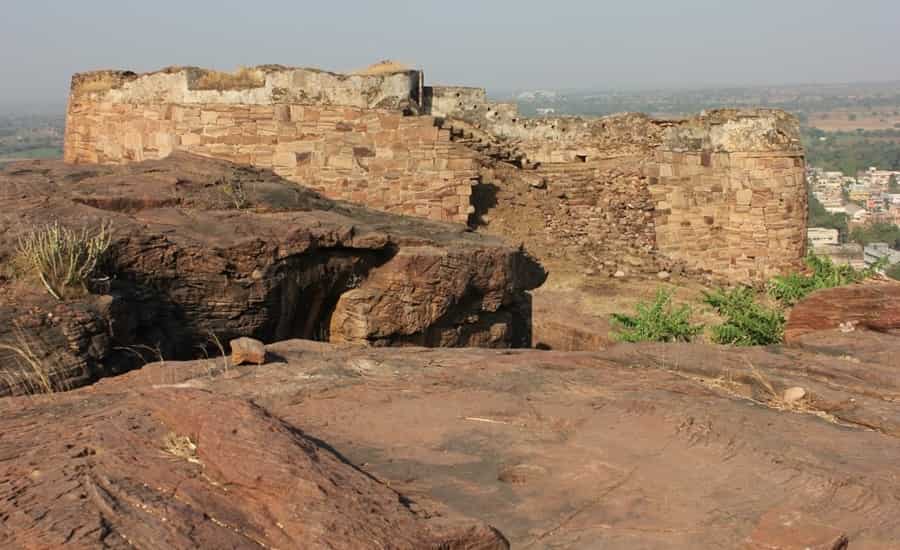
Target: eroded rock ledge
<point>206,251</point>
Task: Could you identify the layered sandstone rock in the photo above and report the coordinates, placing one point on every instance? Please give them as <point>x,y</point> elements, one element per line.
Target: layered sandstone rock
<point>206,251</point>
<point>640,446</point>
<point>165,467</point>
<point>873,305</point>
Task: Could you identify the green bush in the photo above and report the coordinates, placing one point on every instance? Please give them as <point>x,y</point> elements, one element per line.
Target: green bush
<point>790,289</point>
<point>893,272</point>
<point>658,321</point>
<point>747,322</point>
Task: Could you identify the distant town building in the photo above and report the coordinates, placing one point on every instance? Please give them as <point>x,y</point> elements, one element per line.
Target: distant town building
<point>859,192</point>
<point>843,254</point>
<point>878,178</point>
<point>821,236</point>
<point>874,252</point>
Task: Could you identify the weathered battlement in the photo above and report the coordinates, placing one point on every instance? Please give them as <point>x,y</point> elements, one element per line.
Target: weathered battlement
<point>263,85</point>
<point>722,192</point>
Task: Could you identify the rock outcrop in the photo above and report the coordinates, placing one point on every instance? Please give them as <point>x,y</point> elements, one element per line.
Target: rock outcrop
<point>870,305</point>
<point>168,467</point>
<point>205,251</point>
<point>640,446</point>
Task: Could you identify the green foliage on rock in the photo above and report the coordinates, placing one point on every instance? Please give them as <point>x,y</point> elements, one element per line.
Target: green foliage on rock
<point>893,272</point>
<point>823,273</point>
<point>657,321</point>
<point>747,322</point>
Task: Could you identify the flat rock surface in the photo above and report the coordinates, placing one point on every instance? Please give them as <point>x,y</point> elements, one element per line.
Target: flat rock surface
<point>640,446</point>
<point>178,467</point>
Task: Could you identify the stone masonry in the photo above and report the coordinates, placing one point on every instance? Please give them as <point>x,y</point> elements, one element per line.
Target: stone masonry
<point>722,193</point>
<point>345,136</point>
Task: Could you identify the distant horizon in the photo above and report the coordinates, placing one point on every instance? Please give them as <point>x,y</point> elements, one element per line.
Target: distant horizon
<point>41,106</point>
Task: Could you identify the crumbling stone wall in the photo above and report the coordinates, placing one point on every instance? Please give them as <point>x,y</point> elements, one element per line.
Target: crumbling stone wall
<point>722,193</point>
<point>729,194</point>
<point>345,136</point>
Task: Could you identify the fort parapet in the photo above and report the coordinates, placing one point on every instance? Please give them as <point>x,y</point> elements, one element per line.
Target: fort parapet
<point>721,193</point>
<point>347,136</point>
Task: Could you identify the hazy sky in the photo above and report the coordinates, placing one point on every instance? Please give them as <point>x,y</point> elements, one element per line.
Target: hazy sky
<point>493,43</point>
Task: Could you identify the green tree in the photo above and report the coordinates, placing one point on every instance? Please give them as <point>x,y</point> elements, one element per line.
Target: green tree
<point>893,272</point>
<point>877,233</point>
<point>658,321</point>
<point>819,217</point>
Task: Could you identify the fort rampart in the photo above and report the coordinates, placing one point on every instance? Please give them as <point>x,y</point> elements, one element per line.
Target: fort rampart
<point>721,193</point>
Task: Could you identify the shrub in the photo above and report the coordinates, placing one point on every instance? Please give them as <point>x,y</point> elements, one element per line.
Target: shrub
<point>790,289</point>
<point>63,259</point>
<point>893,272</point>
<point>659,321</point>
<point>234,190</point>
<point>747,322</point>
<point>243,78</point>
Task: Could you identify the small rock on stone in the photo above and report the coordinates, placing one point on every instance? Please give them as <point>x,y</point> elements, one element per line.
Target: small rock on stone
<point>793,395</point>
<point>619,274</point>
<point>663,275</point>
<point>247,350</point>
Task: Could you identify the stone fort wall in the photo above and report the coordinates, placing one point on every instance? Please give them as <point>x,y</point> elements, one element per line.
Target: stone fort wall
<point>722,193</point>
<point>343,135</point>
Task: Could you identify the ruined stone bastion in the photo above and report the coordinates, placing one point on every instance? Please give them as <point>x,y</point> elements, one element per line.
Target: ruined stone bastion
<point>721,193</point>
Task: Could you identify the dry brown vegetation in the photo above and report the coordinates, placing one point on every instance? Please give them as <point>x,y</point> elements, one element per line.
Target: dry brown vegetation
<point>384,67</point>
<point>63,259</point>
<point>180,446</point>
<point>243,78</point>
<point>100,81</point>
<point>36,372</point>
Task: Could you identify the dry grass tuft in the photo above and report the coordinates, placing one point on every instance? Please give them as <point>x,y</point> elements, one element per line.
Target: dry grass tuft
<point>387,66</point>
<point>63,259</point>
<point>243,78</point>
<point>36,374</point>
<point>234,190</point>
<point>181,446</point>
<point>99,82</point>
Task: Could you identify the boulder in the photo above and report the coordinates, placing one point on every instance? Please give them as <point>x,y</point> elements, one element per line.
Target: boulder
<point>873,305</point>
<point>247,350</point>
